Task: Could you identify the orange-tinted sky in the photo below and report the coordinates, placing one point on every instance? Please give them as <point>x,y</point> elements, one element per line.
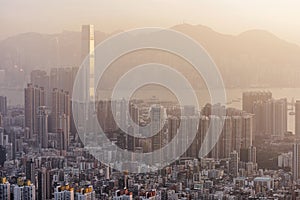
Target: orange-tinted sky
<point>281,17</point>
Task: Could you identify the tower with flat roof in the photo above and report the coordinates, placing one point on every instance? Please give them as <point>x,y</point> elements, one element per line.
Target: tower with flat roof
<point>87,52</point>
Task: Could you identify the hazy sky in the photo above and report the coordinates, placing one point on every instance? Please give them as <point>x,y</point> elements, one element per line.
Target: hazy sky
<point>281,17</point>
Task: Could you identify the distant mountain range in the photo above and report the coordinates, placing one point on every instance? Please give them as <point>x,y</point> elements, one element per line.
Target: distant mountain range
<point>252,58</point>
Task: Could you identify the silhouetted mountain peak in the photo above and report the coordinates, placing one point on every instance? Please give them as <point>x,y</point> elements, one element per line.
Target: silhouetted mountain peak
<point>258,54</point>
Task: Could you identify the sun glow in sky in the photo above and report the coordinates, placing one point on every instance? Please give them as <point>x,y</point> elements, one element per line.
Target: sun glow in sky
<point>281,17</point>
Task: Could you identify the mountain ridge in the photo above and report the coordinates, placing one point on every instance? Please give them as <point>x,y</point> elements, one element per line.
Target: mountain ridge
<point>252,57</point>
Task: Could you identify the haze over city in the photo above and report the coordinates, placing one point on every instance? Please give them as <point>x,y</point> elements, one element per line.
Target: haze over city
<point>279,17</point>
<point>149,100</point>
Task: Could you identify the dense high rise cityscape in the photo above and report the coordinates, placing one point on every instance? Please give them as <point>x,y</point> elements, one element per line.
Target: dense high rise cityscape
<point>177,113</point>
<point>42,140</point>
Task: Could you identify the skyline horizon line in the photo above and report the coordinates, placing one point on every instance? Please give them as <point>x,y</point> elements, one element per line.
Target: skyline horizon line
<point>120,30</point>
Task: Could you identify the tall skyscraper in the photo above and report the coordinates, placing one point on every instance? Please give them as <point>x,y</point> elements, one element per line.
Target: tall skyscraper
<point>296,162</point>
<point>234,164</point>
<point>261,117</point>
<point>30,171</point>
<point>247,131</point>
<point>60,105</point>
<point>246,136</point>
<point>280,116</point>
<point>173,124</point>
<point>63,131</point>
<point>106,110</point>
<point>188,125</point>
<point>3,105</point>
<point>30,108</point>
<point>44,184</point>
<point>191,128</point>
<point>34,98</point>
<point>297,118</point>
<point>157,116</point>
<point>249,104</point>
<point>252,154</point>
<point>271,117</point>
<point>42,116</point>
<point>236,133</point>
<point>212,137</point>
<point>134,115</point>
<point>1,136</point>
<point>87,52</point>
<point>225,140</point>
<point>202,131</point>
<point>123,114</point>
<point>3,155</point>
